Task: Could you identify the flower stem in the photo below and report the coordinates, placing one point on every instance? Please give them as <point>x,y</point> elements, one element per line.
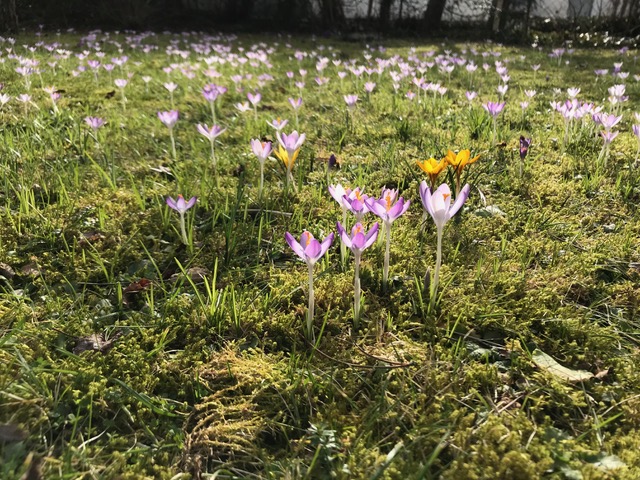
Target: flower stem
<point>311,305</point>
<point>215,163</point>
<point>343,247</point>
<point>213,111</point>
<point>356,292</point>
<point>183,230</point>
<point>173,145</point>
<point>261,180</point>
<point>436,274</point>
<point>385,271</point>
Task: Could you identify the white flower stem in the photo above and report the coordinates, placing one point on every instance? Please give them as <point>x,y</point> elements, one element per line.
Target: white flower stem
<point>356,291</point>
<point>343,247</point>
<point>213,111</point>
<point>436,274</point>
<point>261,180</point>
<point>311,304</point>
<point>173,145</point>
<point>387,251</point>
<point>214,162</point>
<point>183,230</point>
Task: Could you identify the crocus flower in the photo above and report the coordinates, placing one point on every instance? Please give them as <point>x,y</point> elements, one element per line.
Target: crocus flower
<point>243,107</point>
<point>262,150</point>
<point>94,122</point>
<point>354,201</point>
<point>288,150</point>
<point>438,205</point>
<point>369,87</point>
<point>494,108</point>
<point>310,250</point>
<point>458,162</point>
<point>169,119</point>
<point>351,100</point>
<point>524,146</point>
<point>357,242</point>
<point>433,168</point>
<point>278,124</point>
<point>388,209</point>
<point>338,192</point>
<point>181,207</point>
<point>636,132</point>
<point>212,133</point>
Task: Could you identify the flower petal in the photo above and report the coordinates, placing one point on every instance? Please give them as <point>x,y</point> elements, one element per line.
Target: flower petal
<point>295,246</point>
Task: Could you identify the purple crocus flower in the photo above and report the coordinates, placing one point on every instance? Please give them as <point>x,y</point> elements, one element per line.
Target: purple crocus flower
<point>494,108</point>
<point>309,249</point>
<point>180,205</point>
<point>438,203</point>
<point>120,82</point>
<point>261,150</point>
<point>254,98</point>
<point>210,133</point>
<point>608,136</point>
<point>355,202</point>
<point>351,100</point>
<point>525,143</point>
<point>296,103</point>
<point>439,206</point>
<point>291,142</point>
<point>278,124</point>
<point>169,118</point>
<point>388,209</point>
<point>369,86</point>
<point>94,122</point>
<point>358,240</point>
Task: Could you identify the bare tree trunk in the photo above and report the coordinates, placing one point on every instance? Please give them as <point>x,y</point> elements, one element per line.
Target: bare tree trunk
<point>385,14</point>
<point>8,14</point>
<point>433,14</point>
<point>370,10</point>
<point>332,13</point>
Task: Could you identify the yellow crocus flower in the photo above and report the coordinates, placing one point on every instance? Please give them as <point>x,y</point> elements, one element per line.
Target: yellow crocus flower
<point>433,168</point>
<point>458,162</point>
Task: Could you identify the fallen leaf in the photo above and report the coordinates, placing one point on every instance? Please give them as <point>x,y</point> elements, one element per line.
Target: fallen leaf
<point>6,271</point>
<point>96,342</point>
<point>546,362</point>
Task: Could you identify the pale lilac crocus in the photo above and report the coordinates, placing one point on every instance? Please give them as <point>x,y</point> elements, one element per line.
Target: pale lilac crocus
<point>243,107</point>
<point>4,99</point>
<point>494,109</point>
<point>296,103</point>
<point>211,133</point>
<point>636,132</point>
<point>389,210</point>
<point>181,206</point>
<point>121,83</point>
<point>351,101</point>
<point>171,87</point>
<point>354,201</point>
<point>369,87</point>
<point>438,205</point>
<point>470,96</point>
<point>278,124</point>
<point>357,242</point>
<point>262,150</point>
<point>338,192</point>
<point>169,119</point>
<point>94,122</point>
<point>310,250</point>
<point>291,144</point>
<point>254,99</point>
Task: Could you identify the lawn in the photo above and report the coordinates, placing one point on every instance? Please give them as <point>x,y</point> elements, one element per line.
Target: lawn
<point>146,333</point>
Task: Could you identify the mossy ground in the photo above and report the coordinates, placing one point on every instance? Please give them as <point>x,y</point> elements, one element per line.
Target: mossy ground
<point>190,377</point>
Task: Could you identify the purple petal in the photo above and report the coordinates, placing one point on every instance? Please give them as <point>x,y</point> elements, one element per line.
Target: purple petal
<point>343,235</point>
<point>295,246</point>
<point>313,250</point>
<point>358,241</point>
<point>462,197</point>
<point>172,203</point>
<point>326,243</point>
<point>190,203</point>
<point>372,235</point>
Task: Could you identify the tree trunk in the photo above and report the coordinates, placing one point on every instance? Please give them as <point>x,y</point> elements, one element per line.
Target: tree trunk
<point>433,14</point>
<point>370,10</point>
<point>385,14</point>
<point>8,14</point>
<point>332,13</point>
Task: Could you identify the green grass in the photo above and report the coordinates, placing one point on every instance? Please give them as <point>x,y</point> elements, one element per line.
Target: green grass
<point>127,354</point>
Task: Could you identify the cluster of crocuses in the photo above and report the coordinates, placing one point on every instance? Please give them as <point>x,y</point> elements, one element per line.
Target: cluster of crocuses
<point>388,207</point>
